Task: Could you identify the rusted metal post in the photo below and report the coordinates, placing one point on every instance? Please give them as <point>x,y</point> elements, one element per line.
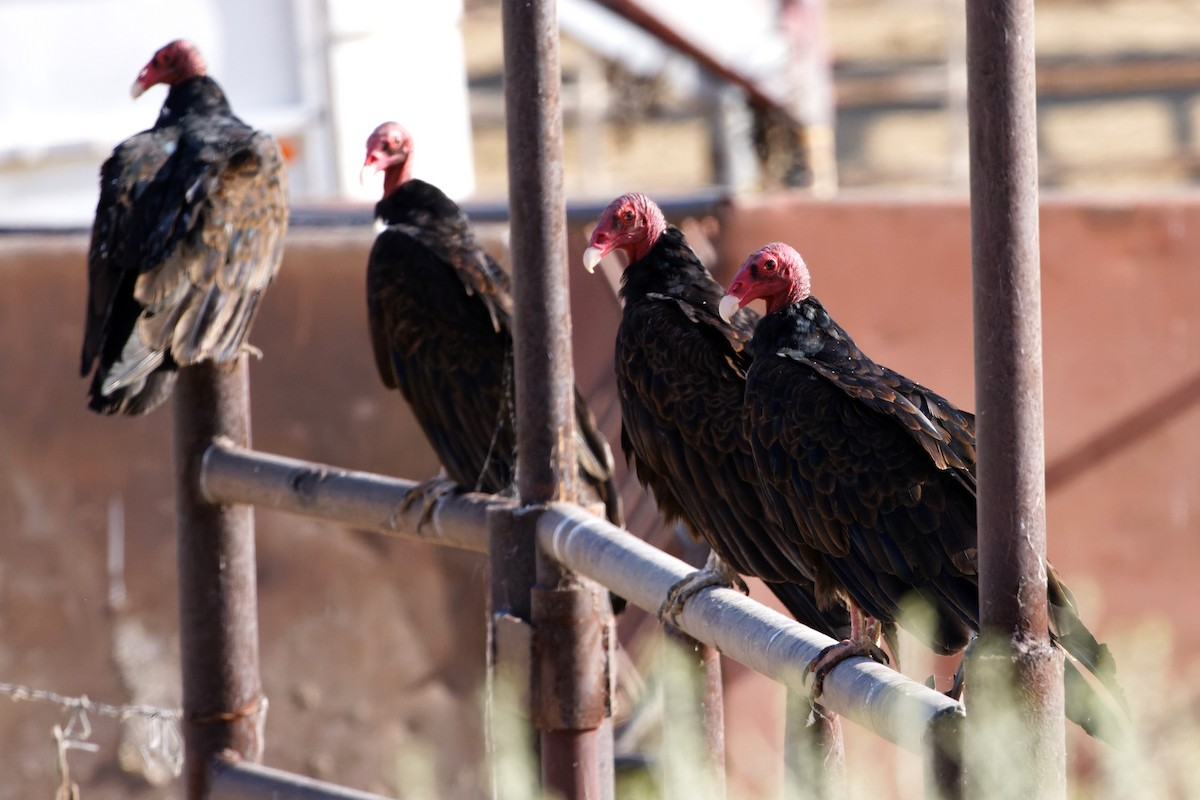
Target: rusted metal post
<point>223,704</point>
<point>571,679</point>
<point>814,755</point>
<point>944,756</point>
<point>695,698</point>
<point>1008,380</point>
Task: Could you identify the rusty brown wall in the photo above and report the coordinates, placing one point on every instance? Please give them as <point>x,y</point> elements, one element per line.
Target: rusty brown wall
<point>373,647</point>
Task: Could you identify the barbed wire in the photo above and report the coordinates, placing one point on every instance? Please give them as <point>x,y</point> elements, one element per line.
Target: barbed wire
<point>163,748</point>
<point>83,704</point>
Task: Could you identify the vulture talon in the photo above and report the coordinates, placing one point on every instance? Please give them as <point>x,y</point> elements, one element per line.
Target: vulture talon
<point>252,351</point>
<point>429,492</point>
<point>955,692</point>
<point>836,653</point>
<point>715,572</point>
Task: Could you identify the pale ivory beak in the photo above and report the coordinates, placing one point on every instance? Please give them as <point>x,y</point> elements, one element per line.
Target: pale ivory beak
<point>591,257</point>
<point>729,306</point>
<point>367,169</point>
<point>137,89</point>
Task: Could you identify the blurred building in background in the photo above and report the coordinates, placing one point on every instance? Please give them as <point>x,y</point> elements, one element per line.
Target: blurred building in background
<point>878,85</point>
<point>319,74</point>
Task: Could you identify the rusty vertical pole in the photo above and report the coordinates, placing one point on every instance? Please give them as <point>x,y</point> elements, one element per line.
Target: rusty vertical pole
<point>571,632</point>
<point>223,705</point>
<point>693,706</point>
<point>814,755</point>
<point>1001,101</point>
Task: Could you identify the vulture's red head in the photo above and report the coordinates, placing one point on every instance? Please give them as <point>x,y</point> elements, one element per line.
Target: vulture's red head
<point>389,150</point>
<point>776,273</point>
<point>172,64</point>
<point>631,223</point>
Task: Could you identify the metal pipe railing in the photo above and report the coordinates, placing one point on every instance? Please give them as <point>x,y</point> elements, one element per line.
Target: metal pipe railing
<point>872,695</point>
<point>238,780</point>
<point>1008,388</point>
<point>234,474</point>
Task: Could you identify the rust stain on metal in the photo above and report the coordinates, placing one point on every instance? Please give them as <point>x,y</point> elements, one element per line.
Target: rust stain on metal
<point>570,659</point>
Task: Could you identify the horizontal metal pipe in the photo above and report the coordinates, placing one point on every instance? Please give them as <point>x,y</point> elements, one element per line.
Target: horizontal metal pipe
<point>871,694</point>
<point>696,203</point>
<point>360,215</point>
<point>236,780</point>
<point>232,474</point>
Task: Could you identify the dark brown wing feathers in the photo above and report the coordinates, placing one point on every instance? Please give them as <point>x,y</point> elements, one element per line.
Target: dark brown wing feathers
<point>680,376</point>
<point>876,473</point>
<point>188,234</point>
<point>440,317</point>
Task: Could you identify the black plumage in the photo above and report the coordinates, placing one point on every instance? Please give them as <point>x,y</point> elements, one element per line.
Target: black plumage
<point>440,315</point>
<point>187,236</point>
<point>875,472</point>
<point>680,372</point>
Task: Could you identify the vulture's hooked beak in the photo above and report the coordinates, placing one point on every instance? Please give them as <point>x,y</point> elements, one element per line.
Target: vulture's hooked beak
<point>370,168</point>
<point>591,257</point>
<point>139,84</point>
<point>729,305</point>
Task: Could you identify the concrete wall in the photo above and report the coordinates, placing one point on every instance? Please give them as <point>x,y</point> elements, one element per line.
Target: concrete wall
<point>372,648</point>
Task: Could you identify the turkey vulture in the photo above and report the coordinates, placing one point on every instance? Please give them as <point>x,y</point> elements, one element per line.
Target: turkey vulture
<point>440,315</point>
<point>680,374</point>
<point>876,473</point>
<point>188,234</point>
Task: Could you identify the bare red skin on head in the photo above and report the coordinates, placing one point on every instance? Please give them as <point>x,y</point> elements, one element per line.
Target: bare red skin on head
<point>632,223</point>
<point>173,64</point>
<point>775,273</point>
<point>389,148</point>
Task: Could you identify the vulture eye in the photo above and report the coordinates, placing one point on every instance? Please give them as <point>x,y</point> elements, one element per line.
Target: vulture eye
<point>769,265</point>
<point>627,215</point>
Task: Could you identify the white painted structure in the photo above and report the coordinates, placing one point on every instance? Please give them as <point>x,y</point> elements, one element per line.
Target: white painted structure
<point>319,74</point>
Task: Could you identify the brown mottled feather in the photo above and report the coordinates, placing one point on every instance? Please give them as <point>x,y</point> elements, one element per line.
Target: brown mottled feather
<point>188,234</point>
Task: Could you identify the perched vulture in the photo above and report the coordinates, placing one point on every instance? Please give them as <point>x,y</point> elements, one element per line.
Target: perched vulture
<point>876,473</point>
<point>680,374</point>
<point>188,234</point>
<point>440,315</point>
